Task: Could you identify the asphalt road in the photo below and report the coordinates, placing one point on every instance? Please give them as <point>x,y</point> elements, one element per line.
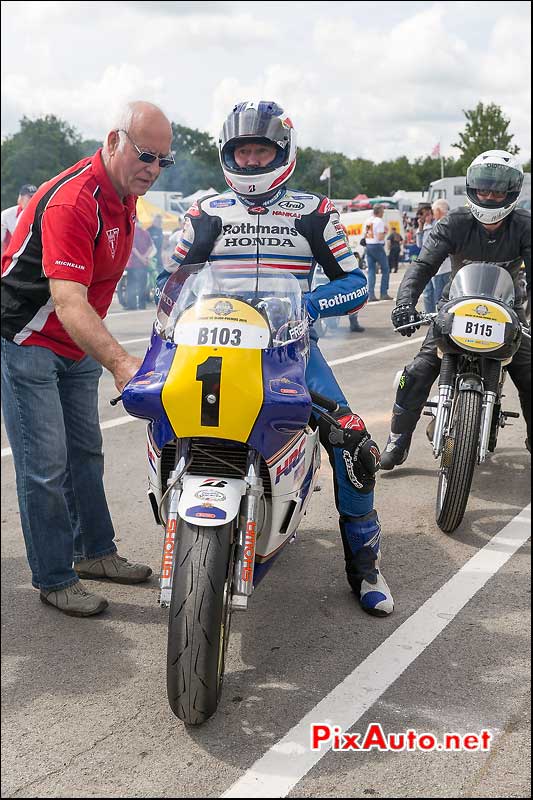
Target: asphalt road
<point>84,708</point>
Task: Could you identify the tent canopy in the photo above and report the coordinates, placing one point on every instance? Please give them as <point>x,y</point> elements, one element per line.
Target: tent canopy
<point>146,212</point>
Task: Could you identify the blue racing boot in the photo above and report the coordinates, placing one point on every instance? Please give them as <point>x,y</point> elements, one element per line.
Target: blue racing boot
<point>361,537</point>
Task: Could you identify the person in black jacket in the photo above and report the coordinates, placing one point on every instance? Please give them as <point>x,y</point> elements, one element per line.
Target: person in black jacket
<point>491,229</point>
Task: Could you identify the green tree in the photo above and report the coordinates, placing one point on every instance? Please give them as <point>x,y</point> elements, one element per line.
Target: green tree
<point>486,129</point>
<point>89,146</point>
<point>197,163</point>
<point>41,149</point>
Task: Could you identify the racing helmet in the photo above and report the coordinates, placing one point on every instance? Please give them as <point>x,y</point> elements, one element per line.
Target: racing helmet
<point>258,122</point>
<point>493,171</point>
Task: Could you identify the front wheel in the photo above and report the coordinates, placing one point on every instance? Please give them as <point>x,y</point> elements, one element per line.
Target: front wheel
<point>459,458</point>
<point>198,627</point>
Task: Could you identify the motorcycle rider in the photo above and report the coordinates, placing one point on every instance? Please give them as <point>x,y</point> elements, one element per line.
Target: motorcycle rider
<point>261,220</point>
<point>489,229</point>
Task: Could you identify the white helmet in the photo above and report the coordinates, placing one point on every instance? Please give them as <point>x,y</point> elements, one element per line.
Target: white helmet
<point>493,171</point>
<point>260,122</point>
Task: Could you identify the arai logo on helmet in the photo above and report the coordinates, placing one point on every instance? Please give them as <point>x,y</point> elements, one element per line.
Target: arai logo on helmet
<point>291,205</point>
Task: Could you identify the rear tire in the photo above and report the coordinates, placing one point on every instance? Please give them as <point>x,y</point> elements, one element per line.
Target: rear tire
<point>459,458</point>
<point>199,619</point>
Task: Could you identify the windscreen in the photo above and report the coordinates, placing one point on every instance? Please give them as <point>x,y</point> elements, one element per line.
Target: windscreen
<point>482,279</point>
<point>275,295</point>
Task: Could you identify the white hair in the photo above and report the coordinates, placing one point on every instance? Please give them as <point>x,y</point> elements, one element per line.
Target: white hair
<point>122,117</point>
<point>121,120</point>
<point>441,204</point>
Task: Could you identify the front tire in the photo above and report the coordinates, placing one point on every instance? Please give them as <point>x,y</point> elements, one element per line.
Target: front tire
<point>198,627</point>
<point>459,458</point>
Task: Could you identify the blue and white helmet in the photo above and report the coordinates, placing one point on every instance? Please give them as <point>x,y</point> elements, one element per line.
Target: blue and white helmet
<point>263,121</point>
<point>493,171</point>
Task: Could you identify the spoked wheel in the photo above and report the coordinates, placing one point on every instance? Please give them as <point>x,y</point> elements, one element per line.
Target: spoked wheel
<point>459,458</point>
<point>199,620</point>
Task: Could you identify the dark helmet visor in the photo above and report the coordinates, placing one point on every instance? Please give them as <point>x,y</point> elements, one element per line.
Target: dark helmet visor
<point>258,122</point>
<point>494,178</point>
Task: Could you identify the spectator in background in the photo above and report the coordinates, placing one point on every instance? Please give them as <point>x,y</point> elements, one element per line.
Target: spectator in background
<point>137,267</point>
<point>374,231</point>
<point>395,245</point>
<point>434,288</point>
<point>425,223</point>
<point>156,233</point>
<point>10,216</point>
<point>440,208</point>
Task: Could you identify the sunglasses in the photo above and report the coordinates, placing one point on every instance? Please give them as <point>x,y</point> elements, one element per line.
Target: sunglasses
<point>487,192</point>
<point>149,158</point>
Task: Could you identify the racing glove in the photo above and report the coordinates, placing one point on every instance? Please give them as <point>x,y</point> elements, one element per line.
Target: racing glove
<point>404,314</point>
<point>311,310</point>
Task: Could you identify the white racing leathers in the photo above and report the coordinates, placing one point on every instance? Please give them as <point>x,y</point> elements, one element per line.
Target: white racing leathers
<point>292,231</point>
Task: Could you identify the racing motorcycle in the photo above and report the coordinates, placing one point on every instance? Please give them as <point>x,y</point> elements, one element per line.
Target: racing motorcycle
<point>477,333</point>
<point>233,454</point>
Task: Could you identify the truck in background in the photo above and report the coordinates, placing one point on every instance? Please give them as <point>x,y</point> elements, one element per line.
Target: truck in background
<point>354,221</point>
<point>453,190</point>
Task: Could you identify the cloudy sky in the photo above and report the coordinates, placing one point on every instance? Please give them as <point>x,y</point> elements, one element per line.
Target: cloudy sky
<point>370,79</point>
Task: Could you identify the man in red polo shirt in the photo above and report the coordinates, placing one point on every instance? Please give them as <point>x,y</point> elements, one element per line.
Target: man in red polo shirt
<point>59,273</point>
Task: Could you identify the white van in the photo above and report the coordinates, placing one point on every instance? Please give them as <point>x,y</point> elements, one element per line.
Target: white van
<point>353,221</point>
<point>453,190</point>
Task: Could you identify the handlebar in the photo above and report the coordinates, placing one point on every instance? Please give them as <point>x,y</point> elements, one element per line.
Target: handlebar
<point>323,402</point>
<point>425,319</point>
<point>115,400</point>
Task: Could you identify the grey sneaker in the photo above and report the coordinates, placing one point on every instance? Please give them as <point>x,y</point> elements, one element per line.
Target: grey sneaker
<point>75,601</point>
<point>113,568</point>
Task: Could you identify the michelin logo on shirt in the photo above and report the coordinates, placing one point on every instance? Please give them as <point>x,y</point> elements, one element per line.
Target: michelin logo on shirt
<point>69,264</point>
<point>340,299</point>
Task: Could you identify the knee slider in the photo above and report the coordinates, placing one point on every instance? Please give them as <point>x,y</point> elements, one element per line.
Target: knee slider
<point>360,453</point>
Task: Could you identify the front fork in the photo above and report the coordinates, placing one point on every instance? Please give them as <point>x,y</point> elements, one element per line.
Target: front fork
<point>174,488</point>
<point>491,379</point>
<point>444,405</point>
<point>243,570</point>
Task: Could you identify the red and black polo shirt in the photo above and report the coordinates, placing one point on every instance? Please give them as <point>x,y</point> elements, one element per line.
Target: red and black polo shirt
<point>75,228</point>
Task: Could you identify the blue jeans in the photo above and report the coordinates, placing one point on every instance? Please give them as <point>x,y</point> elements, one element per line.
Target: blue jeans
<point>319,376</point>
<point>375,254</point>
<point>433,291</point>
<point>50,406</point>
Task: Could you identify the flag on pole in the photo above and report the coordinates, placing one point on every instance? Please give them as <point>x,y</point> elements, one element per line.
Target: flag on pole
<point>326,174</point>
<point>435,153</point>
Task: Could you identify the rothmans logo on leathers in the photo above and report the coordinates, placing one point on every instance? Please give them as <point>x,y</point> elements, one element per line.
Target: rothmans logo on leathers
<point>246,234</point>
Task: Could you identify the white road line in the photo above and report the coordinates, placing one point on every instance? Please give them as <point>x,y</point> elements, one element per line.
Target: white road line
<point>290,759</point>
<point>133,311</point>
<point>374,352</point>
<point>135,341</point>
<point>111,423</point>
<point>331,363</point>
<point>123,420</point>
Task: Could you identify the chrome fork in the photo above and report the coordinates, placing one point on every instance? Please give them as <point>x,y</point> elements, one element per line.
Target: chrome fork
<point>243,571</point>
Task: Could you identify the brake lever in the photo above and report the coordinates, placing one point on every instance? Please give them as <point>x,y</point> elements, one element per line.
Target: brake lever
<point>426,320</point>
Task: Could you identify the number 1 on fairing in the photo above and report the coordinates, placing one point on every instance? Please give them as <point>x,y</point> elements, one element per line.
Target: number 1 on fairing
<point>209,374</point>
